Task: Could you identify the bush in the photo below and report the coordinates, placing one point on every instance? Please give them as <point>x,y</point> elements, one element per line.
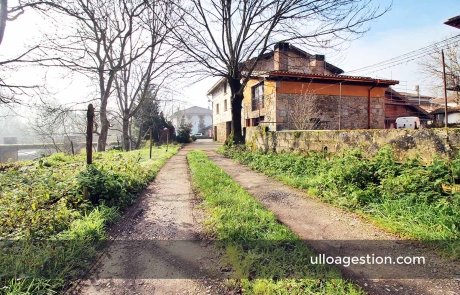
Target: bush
<point>183,133</point>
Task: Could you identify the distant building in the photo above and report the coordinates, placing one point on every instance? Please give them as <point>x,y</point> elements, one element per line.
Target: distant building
<point>200,119</point>
<point>399,105</point>
<point>423,101</point>
<point>453,116</point>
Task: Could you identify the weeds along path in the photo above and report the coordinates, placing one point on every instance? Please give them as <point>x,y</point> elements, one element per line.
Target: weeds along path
<point>156,247</point>
<point>337,233</point>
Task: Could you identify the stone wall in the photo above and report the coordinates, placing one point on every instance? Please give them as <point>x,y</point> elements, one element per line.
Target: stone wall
<point>222,132</point>
<point>405,142</point>
<point>336,112</point>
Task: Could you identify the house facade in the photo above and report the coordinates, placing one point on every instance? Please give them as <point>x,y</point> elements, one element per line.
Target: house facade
<point>453,116</point>
<point>399,105</point>
<point>199,118</point>
<point>293,90</point>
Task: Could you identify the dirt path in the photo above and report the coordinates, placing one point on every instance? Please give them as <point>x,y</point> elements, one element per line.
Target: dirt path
<point>157,247</point>
<point>335,232</point>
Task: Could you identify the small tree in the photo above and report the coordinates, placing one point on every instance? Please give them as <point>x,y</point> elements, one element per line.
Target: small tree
<point>304,111</point>
<point>183,133</point>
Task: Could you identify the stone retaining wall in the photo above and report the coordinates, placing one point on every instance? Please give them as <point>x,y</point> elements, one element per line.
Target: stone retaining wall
<point>405,142</point>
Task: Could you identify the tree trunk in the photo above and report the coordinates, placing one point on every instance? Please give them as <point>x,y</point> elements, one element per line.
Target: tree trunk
<point>102,141</point>
<point>3,18</point>
<point>126,131</point>
<point>139,136</point>
<point>236,134</point>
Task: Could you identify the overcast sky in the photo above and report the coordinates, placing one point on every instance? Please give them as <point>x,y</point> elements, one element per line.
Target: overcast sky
<point>410,25</point>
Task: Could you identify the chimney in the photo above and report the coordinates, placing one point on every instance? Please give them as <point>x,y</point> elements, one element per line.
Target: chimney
<point>318,64</point>
<point>281,58</point>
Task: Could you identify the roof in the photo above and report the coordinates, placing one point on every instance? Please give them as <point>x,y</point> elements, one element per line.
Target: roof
<point>454,22</point>
<point>449,110</point>
<point>407,94</point>
<point>330,78</point>
<point>216,85</point>
<point>193,111</point>
<point>441,100</point>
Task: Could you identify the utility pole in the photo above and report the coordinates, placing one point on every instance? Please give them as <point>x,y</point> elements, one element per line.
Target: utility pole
<point>445,87</point>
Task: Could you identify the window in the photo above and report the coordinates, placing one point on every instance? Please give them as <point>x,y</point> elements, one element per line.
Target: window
<point>225,105</point>
<point>258,96</point>
<point>225,88</point>
<point>217,108</point>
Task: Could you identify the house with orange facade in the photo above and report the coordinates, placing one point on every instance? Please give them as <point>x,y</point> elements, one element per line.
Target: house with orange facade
<point>291,89</point>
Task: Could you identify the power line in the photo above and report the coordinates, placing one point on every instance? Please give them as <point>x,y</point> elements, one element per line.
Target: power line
<point>410,55</point>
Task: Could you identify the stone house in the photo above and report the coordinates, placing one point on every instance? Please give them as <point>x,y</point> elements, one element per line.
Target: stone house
<point>291,89</point>
<point>200,119</point>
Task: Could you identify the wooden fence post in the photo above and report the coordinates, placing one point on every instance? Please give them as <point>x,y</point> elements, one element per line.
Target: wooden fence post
<point>89,134</point>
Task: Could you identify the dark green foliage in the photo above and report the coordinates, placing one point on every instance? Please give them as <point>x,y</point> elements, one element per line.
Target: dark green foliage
<point>183,133</point>
<point>43,200</point>
<point>149,115</point>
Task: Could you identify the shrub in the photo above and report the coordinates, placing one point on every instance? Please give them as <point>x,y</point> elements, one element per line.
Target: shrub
<point>183,133</point>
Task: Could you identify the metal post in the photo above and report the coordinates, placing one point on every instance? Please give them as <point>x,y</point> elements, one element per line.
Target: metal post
<point>340,106</point>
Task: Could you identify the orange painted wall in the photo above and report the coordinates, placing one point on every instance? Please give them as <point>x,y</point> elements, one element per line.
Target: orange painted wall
<point>327,89</point>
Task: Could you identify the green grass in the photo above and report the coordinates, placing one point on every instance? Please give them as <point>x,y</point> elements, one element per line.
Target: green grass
<point>266,256</point>
<point>49,233</point>
<point>405,198</point>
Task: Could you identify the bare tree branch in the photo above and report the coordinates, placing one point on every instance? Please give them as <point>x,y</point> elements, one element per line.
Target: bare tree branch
<point>227,38</point>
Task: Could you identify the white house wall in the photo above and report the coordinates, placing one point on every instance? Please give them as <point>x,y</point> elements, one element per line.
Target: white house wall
<point>218,98</point>
<point>192,118</point>
<point>453,118</point>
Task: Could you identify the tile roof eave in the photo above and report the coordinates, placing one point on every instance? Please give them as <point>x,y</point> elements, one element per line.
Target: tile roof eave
<point>274,74</point>
<point>453,22</point>
<point>215,86</point>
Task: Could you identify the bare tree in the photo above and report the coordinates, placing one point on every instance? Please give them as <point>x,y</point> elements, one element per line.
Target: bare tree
<point>145,75</point>
<point>222,35</point>
<point>431,66</point>
<point>9,92</point>
<point>56,123</point>
<point>304,111</point>
<point>100,38</point>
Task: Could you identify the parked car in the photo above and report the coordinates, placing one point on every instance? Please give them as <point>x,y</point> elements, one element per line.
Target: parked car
<point>408,123</point>
<point>199,134</point>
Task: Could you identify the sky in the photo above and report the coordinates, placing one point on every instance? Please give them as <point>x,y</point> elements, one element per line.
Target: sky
<point>408,26</point>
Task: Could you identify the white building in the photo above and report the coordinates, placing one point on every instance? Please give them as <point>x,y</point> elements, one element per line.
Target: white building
<point>199,118</point>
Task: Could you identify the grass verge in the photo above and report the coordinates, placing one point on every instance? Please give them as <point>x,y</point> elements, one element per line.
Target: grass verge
<point>405,198</point>
<point>266,256</point>
<point>49,231</point>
